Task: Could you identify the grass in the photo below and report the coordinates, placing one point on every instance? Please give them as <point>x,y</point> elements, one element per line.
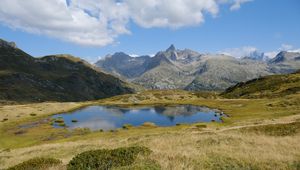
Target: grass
<point>258,134</point>
<point>266,87</point>
<point>289,129</point>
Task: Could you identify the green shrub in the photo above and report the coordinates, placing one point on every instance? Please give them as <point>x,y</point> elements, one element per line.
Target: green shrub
<point>106,159</point>
<point>38,163</point>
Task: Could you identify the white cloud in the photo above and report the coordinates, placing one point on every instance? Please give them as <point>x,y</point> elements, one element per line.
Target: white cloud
<point>239,52</point>
<point>170,13</point>
<point>100,22</point>
<point>237,4</point>
<point>285,47</point>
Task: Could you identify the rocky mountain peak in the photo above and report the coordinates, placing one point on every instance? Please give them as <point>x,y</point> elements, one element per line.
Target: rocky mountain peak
<point>285,56</point>
<point>171,48</point>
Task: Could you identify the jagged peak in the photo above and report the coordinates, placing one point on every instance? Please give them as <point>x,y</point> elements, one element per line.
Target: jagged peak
<point>171,48</point>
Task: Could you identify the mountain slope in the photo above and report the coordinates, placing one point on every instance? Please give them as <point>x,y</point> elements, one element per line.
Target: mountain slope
<point>220,72</point>
<point>53,78</point>
<point>123,65</point>
<point>269,86</point>
<point>285,62</point>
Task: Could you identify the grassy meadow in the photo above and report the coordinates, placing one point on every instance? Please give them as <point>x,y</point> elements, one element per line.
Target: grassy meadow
<point>257,134</point>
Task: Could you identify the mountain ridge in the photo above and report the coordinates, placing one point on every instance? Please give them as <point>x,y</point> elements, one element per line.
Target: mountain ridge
<point>191,70</point>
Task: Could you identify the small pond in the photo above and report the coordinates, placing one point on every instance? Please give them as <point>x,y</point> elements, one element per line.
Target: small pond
<point>112,117</point>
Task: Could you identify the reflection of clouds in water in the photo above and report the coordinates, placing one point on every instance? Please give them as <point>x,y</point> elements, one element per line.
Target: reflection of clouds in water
<point>95,124</point>
<point>185,110</point>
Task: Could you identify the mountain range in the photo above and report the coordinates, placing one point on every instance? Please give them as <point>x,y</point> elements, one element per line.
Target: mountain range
<point>191,70</point>
<point>24,78</point>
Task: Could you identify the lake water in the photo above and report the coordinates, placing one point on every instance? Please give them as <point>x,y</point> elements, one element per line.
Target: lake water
<point>112,117</point>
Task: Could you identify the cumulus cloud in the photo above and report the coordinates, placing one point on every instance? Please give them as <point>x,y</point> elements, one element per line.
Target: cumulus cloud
<point>170,13</point>
<point>239,52</point>
<point>100,22</point>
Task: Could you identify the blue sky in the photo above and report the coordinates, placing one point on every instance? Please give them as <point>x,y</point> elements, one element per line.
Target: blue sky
<point>266,25</point>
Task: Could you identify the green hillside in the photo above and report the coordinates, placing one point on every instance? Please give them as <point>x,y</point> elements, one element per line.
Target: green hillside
<point>266,87</point>
<point>24,78</point>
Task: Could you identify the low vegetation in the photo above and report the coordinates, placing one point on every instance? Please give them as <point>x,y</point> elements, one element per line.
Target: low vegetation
<point>106,159</point>
<point>38,163</point>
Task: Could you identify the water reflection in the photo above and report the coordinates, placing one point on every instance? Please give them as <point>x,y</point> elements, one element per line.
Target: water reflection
<point>111,117</point>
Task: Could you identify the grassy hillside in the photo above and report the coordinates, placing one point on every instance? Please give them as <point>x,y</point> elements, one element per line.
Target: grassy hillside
<point>266,87</point>
<point>24,78</point>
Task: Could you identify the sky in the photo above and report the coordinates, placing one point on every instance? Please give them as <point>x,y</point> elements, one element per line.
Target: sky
<point>91,29</point>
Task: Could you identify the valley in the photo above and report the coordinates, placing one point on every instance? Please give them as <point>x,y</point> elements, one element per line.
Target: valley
<point>61,106</point>
<point>149,85</point>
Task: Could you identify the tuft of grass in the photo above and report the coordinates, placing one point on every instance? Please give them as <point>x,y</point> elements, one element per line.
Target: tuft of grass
<point>59,120</point>
<point>201,126</point>
<point>32,114</point>
<point>149,124</point>
<point>107,159</point>
<point>74,120</point>
<point>38,163</point>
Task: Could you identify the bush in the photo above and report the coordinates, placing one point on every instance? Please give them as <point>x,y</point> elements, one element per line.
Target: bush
<point>38,163</point>
<point>106,159</point>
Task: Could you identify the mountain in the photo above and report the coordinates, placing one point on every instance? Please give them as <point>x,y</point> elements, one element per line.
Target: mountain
<point>285,62</point>
<point>268,87</point>
<point>124,65</point>
<point>256,55</point>
<point>220,72</point>
<point>190,70</point>
<point>24,78</point>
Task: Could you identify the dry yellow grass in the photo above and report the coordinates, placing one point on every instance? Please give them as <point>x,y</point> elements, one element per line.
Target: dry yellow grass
<point>183,150</point>
<point>218,146</point>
